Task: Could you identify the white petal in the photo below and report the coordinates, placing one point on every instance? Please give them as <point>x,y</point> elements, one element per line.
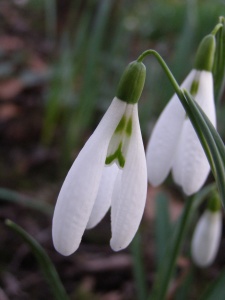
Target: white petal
<point>104,197</point>
<point>191,163</point>
<point>164,139</point>
<point>129,196</point>
<point>206,238</point>
<point>178,160</point>
<point>80,187</point>
<point>205,95</point>
<point>190,166</point>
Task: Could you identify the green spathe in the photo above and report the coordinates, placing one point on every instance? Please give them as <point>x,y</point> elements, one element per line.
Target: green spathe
<point>214,203</point>
<point>132,82</point>
<point>205,54</point>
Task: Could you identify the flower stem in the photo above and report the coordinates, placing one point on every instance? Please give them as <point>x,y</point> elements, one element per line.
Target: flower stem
<point>216,28</point>
<point>165,68</point>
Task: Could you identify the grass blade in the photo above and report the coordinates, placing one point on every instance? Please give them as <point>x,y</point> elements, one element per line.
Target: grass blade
<point>138,267</point>
<point>17,198</point>
<point>44,261</point>
<point>163,226</point>
<point>216,289</point>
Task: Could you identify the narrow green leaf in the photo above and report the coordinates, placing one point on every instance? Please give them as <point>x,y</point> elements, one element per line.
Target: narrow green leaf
<point>162,226</point>
<point>216,289</point>
<point>17,198</point>
<point>167,268</point>
<point>185,289</point>
<point>44,261</point>
<point>173,248</point>
<point>216,157</point>
<point>216,136</point>
<point>138,267</point>
<point>219,62</point>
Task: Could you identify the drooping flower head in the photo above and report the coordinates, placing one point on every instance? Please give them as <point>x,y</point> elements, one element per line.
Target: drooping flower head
<point>207,235</point>
<point>174,145</point>
<point>110,170</point>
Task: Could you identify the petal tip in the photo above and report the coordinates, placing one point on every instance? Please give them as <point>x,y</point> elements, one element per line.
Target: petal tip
<point>116,246</point>
<point>63,249</point>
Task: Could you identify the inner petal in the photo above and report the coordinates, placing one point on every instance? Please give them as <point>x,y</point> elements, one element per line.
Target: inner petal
<point>120,140</point>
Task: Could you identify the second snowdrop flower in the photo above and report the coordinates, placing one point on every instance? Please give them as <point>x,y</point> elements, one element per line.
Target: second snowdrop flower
<point>207,235</point>
<point>174,145</point>
<point>110,170</point>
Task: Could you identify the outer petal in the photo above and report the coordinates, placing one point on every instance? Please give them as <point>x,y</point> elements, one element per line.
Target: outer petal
<point>191,162</point>
<point>191,167</point>
<point>129,196</point>
<point>79,190</point>
<point>206,238</point>
<point>165,136</point>
<point>104,197</point>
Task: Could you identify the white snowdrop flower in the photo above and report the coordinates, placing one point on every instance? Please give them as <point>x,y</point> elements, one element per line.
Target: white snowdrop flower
<point>207,236</point>
<point>110,170</point>
<point>174,145</point>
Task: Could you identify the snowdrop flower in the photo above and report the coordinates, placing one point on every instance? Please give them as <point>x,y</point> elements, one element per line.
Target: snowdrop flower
<point>207,236</point>
<point>174,145</point>
<point>110,170</point>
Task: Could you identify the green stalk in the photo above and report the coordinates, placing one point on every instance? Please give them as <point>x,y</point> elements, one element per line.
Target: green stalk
<point>44,261</point>
<point>219,61</point>
<point>167,268</point>
<point>138,267</point>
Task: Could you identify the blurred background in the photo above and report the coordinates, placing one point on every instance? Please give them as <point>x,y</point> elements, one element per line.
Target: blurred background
<point>60,63</point>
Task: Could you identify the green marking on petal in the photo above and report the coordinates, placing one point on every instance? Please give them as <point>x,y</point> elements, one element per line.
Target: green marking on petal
<point>121,124</point>
<point>117,155</point>
<point>129,127</point>
<point>194,87</point>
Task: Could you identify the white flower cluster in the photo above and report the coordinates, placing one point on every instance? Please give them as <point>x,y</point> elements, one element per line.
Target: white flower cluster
<point>111,169</point>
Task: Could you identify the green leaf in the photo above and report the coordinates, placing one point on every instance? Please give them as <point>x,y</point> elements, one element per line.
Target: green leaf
<point>184,291</point>
<point>17,198</point>
<point>216,289</point>
<point>166,270</point>
<point>214,149</point>
<point>173,248</point>
<point>219,62</point>
<point>138,267</point>
<point>162,226</point>
<point>44,261</point>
